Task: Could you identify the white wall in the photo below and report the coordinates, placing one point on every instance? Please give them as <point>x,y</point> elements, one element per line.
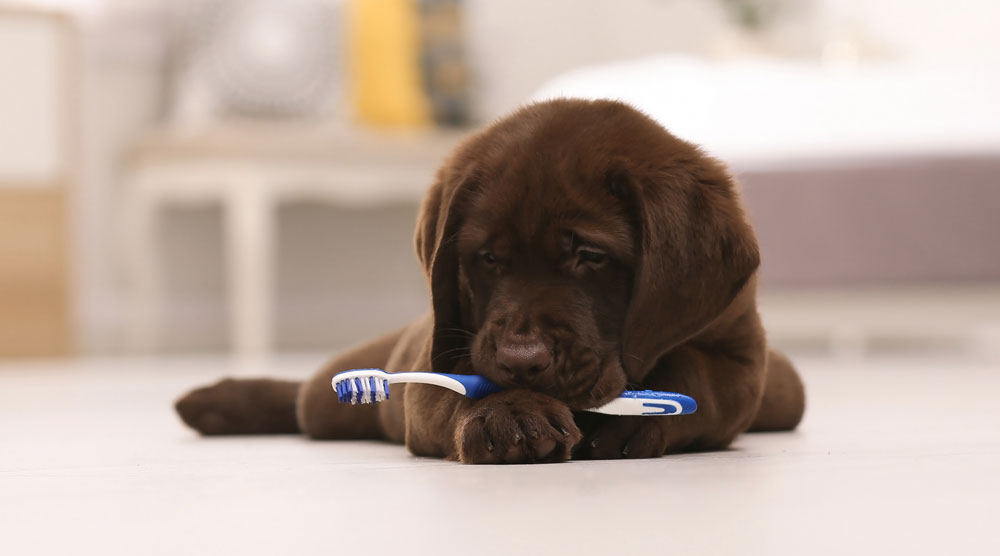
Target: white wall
<point>956,31</point>
<point>122,95</point>
<point>515,45</point>
<point>33,118</point>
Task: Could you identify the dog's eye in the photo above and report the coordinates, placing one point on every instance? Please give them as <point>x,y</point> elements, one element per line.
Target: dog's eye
<point>488,258</point>
<point>591,256</point>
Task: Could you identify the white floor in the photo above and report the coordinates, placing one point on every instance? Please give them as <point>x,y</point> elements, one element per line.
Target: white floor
<point>895,456</point>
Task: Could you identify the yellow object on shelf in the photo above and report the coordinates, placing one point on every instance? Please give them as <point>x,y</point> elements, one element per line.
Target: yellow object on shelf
<point>384,59</point>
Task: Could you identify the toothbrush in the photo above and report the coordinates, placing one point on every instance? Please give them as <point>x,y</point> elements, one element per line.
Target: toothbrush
<point>372,386</point>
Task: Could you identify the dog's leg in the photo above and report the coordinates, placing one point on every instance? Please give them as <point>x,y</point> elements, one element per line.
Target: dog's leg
<point>322,416</point>
<point>248,406</point>
<point>728,387</point>
<point>513,426</point>
<point>265,406</point>
<point>784,397</point>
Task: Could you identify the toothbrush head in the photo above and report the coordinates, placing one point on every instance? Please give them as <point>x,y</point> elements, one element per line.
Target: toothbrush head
<point>362,386</point>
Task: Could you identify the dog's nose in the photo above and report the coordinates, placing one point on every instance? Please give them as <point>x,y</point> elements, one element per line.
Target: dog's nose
<point>523,358</point>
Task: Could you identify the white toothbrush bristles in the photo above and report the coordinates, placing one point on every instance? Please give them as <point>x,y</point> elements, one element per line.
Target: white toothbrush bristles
<point>362,386</point>
<point>362,389</point>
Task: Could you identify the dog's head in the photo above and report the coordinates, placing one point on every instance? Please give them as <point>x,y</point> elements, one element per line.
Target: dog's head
<point>572,244</point>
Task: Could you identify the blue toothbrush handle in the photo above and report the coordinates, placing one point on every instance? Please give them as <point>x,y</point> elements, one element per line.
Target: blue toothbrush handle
<point>648,402</point>
<point>662,403</point>
<point>631,402</point>
<point>475,386</point>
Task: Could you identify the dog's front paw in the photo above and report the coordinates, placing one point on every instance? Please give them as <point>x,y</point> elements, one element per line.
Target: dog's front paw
<point>516,426</point>
<point>625,437</point>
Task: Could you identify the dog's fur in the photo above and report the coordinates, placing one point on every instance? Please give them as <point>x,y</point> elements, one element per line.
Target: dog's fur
<point>573,249</point>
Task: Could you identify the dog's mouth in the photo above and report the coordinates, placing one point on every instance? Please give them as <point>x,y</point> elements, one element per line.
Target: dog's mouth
<point>599,389</point>
<point>605,382</point>
<point>581,378</point>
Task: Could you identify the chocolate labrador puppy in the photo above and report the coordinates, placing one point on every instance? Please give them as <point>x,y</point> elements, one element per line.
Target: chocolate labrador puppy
<point>573,250</point>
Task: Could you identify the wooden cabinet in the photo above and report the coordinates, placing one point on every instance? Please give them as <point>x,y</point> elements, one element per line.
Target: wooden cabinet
<point>34,288</point>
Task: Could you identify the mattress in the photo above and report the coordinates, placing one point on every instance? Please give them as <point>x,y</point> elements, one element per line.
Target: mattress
<point>754,112</point>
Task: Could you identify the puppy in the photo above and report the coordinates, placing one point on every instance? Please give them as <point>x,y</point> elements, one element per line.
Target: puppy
<point>572,249</point>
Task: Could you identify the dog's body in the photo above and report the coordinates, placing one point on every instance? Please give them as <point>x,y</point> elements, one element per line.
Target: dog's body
<point>572,249</point>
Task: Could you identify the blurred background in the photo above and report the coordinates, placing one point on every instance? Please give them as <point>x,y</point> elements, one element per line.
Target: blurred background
<point>242,177</point>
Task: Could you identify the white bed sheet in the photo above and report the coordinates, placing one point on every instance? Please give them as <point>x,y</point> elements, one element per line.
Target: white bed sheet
<point>758,112</point>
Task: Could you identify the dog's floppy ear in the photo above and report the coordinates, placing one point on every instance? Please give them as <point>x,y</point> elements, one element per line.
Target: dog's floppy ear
<point>436,243</point>
<point>697,253</point>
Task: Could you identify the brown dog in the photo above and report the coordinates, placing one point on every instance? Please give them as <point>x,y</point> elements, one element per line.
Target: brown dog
<point>572,249</point>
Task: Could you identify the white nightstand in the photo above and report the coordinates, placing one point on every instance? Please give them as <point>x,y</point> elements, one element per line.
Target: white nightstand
<point>249,169</point>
